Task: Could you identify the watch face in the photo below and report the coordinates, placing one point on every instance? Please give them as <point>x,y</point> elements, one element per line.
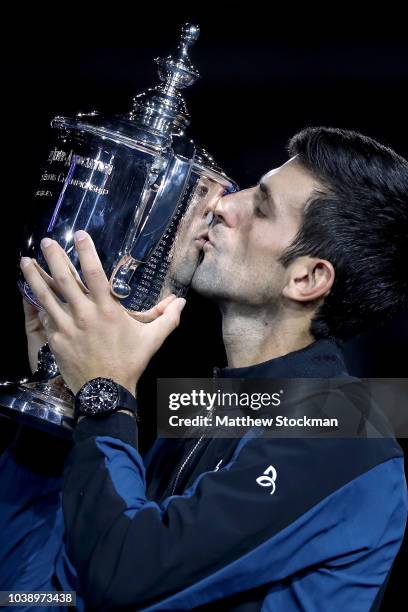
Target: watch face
<point>98,396</point>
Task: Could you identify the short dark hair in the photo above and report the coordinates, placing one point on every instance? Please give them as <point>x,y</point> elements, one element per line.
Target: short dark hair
<point>359,222</point>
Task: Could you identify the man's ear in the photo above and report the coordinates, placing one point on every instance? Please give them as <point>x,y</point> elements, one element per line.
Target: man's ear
<point>308,279</point>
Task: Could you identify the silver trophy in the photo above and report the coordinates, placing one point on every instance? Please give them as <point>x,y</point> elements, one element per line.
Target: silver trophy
<point>142,189</point>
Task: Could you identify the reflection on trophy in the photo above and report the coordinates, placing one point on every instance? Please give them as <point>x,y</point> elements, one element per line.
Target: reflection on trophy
<point>142,189</point>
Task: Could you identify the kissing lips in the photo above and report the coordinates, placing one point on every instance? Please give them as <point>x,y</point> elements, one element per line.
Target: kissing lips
<point>203,240</point>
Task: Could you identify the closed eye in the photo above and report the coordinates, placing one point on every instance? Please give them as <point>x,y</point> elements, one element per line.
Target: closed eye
<point>265,196</point>
<point>259,212</point>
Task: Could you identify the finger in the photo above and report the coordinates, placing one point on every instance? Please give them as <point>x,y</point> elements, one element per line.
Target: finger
<point>50,281</point>
<point>44,294</point>
<point>151,315</point>
<point>94,274</point>
<point>29,309</point>
<point>76,275</point>
<point>46,277</point>
<point>57,262</point>
<point>168,321</point>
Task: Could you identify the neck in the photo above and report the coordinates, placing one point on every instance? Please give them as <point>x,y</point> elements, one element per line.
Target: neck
<point>253,336</point>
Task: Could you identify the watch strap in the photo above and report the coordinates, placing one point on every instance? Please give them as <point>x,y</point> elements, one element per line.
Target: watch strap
<point>126,400</point>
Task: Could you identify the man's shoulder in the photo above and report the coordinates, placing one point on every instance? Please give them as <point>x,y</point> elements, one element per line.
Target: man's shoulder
<point>319,467</point>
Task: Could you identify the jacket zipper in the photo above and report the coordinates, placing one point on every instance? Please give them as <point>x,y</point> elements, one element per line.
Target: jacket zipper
<point>216,372</point>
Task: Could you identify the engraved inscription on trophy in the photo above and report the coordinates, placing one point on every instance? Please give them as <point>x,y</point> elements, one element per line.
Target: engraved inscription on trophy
<point>69,161</point>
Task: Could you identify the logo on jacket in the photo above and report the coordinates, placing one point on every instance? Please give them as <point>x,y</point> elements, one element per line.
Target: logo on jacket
<point>268,478</point>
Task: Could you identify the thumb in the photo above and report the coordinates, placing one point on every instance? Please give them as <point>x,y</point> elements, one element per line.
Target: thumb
<point>147,316</point>
<point>167,321</point>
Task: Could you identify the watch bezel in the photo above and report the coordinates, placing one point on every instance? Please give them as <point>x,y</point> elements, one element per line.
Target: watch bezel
<point>80,401</point>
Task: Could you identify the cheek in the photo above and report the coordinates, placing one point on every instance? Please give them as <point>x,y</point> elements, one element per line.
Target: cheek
<point>267,246</point>
<point>262,258</point>
<point>255,263</point>
<point>276,239</point>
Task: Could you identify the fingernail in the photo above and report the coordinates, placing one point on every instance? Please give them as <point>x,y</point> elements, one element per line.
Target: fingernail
<point>25,261</point>
<point>80,235</point>
<point>45,242</point>
<point>182,303</point>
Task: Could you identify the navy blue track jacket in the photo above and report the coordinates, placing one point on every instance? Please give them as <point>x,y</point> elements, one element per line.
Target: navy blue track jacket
<point>189,528</point>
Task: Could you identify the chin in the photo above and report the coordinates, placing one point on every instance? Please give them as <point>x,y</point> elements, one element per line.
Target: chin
<point>205,280</point>
<point>199,284</point>
<point>183,265</point>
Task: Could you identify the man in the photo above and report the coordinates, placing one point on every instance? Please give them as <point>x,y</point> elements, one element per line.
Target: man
<point>311,255</point>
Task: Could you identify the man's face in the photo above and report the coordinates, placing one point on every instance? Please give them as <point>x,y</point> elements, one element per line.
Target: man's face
<point>253,227</point>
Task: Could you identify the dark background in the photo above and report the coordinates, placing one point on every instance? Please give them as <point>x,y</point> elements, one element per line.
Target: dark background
<point>265,75</point>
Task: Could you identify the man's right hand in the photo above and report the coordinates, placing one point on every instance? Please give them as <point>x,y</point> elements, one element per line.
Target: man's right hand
<point>36,336</point>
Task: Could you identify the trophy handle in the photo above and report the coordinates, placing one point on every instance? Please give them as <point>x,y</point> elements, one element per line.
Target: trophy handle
<point>156,207</point>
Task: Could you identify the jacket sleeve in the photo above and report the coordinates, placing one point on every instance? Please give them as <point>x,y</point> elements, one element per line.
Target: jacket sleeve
<point>234,529</point>
<point>30,511</point>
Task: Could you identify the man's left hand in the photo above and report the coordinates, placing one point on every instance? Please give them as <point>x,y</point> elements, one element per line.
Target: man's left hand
<point>90,332</point>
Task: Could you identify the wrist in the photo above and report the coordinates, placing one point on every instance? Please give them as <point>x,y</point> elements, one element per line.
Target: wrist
<point>128,412</point>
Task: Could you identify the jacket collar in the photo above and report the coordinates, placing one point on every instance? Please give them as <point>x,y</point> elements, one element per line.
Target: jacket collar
<point>321,359</point>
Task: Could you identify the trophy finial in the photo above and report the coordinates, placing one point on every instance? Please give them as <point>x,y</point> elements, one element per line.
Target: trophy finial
<point>163,108</point>
<point>190,32</point>
<point>177,70</point>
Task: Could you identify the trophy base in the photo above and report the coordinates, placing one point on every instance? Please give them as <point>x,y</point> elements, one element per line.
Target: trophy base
<point>43,405</point>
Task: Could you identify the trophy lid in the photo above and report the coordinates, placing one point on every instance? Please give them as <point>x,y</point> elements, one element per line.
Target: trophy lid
<point>162,109</point>
<point>158,114</point>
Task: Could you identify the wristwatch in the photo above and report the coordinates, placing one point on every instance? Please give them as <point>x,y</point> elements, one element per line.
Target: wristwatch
<point>102,396</point>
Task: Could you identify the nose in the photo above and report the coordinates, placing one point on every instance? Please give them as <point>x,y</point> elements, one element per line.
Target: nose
<point>232,207</point>
<point>218,210</point>
<point>212,205</point>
